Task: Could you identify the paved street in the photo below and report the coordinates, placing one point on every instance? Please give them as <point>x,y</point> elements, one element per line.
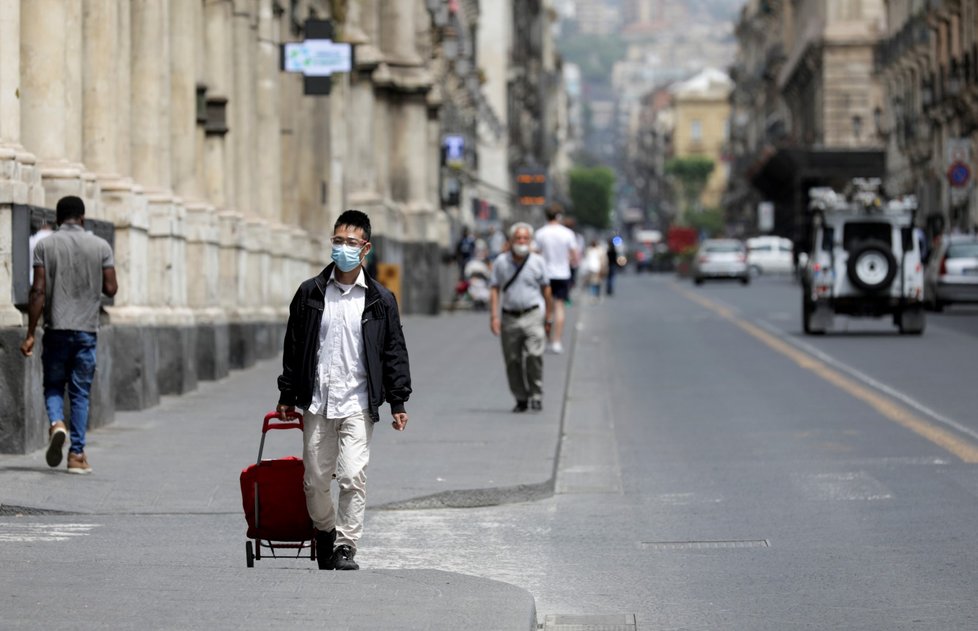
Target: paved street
<point>714,469</point>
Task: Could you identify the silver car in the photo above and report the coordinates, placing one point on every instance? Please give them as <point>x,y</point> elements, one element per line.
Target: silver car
<point>721,258</point>
<point>952,272</point>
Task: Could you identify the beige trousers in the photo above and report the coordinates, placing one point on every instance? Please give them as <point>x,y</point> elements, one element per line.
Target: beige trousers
<point>524,340</point>
<point>339,447</point>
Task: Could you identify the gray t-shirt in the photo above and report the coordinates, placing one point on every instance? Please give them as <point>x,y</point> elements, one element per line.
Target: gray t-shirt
<point>73,260</point>
<point>525,291</point>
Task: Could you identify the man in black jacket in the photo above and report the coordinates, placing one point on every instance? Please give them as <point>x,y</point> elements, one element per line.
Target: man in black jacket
<point>344,357</point>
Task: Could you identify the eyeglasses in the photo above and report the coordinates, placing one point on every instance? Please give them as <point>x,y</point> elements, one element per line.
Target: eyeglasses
<point>350,241</point>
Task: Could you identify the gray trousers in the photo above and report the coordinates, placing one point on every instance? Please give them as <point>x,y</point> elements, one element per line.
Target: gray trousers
<point>524,341</point>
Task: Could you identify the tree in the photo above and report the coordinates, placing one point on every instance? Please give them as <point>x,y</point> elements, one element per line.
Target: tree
<point>692,173</point>
<point>591,194</point>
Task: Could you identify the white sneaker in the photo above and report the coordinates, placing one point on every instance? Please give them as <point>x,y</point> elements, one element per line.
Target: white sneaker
<point>556,348</point>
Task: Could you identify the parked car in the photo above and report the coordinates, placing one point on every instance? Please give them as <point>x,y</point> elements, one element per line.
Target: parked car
<point>721,258</point>
<point>770,255</point>
<point>952,272</point>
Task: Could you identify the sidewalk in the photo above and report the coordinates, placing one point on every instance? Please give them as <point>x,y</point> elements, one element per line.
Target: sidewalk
<point>462,448</point>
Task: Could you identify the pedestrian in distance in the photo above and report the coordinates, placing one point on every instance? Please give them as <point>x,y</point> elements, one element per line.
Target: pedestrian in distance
<point>614,262</point>
<point>594,266</point>
<point>464,251</point>
<point>558,245</point>
<point>344,356</point>
<point>519,284</point>
<point>72,270</point>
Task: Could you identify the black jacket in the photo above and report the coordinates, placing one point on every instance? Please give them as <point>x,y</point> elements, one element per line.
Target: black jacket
<point>388,373</point>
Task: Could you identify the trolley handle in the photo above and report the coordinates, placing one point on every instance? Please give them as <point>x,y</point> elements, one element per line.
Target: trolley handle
<point>294,422</point>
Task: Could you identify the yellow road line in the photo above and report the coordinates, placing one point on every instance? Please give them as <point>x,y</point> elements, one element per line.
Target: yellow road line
<point>963,449</point>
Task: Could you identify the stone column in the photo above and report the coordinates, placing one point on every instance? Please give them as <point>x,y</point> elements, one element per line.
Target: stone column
<point>9,73</point>
<point>241,108</point>
<point>268,151</point>
<point>290,90</point>
<point>363,30</point>
<point>100,102</point>
<point>218,160</point>
<point>74,72</point>
<point>397,36</point>
<point>362,181</point>
<point>44,117</point>
<point>183,97</point>
<point>151,95</point>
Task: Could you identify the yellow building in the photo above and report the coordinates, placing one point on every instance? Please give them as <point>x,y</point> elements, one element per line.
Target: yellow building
<point>702,110</point>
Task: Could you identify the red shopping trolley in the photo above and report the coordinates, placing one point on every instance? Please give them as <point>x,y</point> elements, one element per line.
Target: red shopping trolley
<point>274,501</point>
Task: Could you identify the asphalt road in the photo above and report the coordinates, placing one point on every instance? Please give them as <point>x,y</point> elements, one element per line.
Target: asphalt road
<point>716,469</point>
<point>721,471</point>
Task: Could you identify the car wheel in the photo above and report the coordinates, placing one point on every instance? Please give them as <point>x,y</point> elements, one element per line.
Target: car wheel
<point>910,321</point>
<point>872,266</point>
<point>807,307</point>
<point>698,281</point>
<point>939,305</point>
<point>745,280</point>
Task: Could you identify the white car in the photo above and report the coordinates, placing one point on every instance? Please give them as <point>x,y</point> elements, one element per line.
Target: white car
<point>721,258</point>
<point>770,255</point>
<point>952,273</point>
<point>865,261</point>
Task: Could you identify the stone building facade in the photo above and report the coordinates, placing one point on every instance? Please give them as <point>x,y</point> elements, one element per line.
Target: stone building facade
<point>803,105</point>
<point>929,116</point>
<point>173,120</point>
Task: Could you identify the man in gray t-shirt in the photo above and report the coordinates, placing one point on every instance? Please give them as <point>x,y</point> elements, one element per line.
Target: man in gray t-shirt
<point>519,284</point>
<point>72,269</point>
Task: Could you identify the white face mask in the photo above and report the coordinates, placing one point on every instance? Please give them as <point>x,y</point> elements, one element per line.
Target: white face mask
<point>521,249</point>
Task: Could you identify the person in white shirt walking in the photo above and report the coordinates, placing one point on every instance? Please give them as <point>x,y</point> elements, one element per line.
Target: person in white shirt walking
<point>558,246</point>
<point>344,357</point>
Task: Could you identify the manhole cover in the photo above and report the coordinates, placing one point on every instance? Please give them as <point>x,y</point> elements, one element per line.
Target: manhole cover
<point>613,622</point>
<point>705,545</point>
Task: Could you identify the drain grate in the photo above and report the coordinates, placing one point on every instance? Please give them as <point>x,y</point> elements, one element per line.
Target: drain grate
<point>9,510</point>
<point>615,622</point>
<point>705,545</point>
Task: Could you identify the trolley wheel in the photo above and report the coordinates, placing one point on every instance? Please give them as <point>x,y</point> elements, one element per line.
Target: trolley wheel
<point>312,549</point>
<point>249,554</point>
<point>257,549</point>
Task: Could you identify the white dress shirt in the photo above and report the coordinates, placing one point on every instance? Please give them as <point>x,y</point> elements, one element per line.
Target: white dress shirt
<point>341,385</point>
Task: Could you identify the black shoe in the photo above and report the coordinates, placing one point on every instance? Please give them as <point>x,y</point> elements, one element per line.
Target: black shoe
<point>520,406</point>
<point>536,404</point>
<point>343,559</point>
<point>324,549</point>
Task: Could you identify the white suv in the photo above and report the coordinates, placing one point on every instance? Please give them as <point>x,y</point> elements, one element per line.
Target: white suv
<point>865,260</point>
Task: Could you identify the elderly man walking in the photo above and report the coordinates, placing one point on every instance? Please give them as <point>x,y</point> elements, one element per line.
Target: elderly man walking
<point>518,286</point>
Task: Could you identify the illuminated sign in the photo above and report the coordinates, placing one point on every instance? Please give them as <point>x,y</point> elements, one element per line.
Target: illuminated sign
<point>453,147</point>
<point>317,57</point>
<point>531,187</point>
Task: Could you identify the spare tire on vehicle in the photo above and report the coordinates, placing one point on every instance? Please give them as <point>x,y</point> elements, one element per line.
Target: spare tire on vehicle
<point>871,266</point>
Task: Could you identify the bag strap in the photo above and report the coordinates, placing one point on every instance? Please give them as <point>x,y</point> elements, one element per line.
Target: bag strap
<point>515,274</point>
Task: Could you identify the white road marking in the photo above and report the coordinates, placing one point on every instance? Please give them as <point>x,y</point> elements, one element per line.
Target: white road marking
<point>866,379</point>
<point>31,532</point>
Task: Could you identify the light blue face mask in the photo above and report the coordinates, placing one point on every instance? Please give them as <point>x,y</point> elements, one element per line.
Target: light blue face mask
<point>346,257</point>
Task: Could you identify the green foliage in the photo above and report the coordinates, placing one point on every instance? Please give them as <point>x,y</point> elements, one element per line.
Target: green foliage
<point>591,195</point>
<point>708,220</point>
<point>692,173</point>
<point>595,54</point>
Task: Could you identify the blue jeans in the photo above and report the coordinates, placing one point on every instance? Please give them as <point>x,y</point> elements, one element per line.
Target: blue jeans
<point>69,361</point>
